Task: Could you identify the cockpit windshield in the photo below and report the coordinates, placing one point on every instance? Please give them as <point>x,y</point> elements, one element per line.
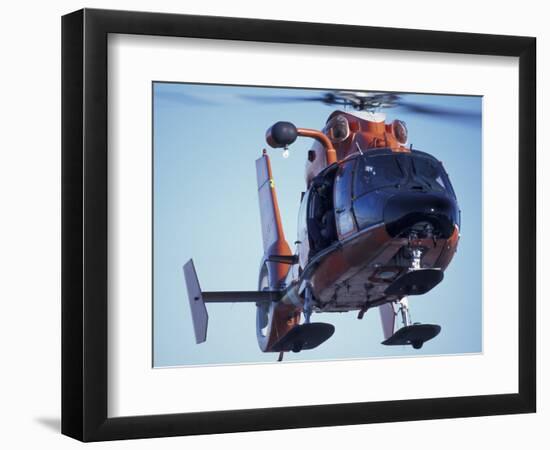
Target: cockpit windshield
<point>375,172</point>
<point>430,172</point>
<point>418,170</point>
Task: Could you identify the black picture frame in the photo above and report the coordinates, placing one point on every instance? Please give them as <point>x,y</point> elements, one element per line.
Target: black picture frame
<point>84,224</point>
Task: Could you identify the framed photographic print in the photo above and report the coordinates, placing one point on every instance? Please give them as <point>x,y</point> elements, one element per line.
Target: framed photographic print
<point>273,224</point>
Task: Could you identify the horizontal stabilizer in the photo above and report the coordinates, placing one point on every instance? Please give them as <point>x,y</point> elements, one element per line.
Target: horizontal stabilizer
<point>241,296</point>
<point>284,259</point>
<point>197,299</point>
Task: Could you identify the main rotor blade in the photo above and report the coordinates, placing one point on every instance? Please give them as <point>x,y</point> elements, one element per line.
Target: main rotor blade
<point>284,99</point>
<point>359,100</point>
<point>438,111</point>
<point>183,98</point>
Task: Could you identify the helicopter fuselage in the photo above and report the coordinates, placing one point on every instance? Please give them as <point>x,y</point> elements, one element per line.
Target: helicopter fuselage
<point>378,222</point>
<point>361,222</point>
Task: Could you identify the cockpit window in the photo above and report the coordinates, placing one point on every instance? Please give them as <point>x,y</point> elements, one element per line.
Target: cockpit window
<point>416,170</point>
<point>430,172</point>
<point>375,172</point>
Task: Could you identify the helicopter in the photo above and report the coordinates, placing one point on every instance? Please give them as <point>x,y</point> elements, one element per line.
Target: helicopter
<point>379,222</point>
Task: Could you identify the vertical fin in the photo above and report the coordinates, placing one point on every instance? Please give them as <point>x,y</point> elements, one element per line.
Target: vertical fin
<point>285,317</point>
<point>272,228</point>
<point>273,236</point>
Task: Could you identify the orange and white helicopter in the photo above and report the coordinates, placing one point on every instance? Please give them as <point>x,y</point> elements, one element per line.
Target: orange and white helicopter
<point>378,222</point>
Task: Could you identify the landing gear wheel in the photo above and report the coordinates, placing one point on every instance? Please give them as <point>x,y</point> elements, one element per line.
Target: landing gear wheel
<point>304,337</point>
<point>297,346</point>
<point>414,335</point>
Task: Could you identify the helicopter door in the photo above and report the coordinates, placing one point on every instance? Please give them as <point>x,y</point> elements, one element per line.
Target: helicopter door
<point>345,222</point>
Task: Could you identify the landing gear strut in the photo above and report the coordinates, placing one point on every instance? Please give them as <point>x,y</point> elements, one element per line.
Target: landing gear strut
<point>413,334</point>
<point>308,304</point>
<point>403,309</point>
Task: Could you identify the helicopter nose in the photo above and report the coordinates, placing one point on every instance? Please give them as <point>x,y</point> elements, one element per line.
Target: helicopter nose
<point>422,213</point>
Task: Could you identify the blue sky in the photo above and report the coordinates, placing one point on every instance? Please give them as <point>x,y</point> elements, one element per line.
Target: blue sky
<point>206,139</point>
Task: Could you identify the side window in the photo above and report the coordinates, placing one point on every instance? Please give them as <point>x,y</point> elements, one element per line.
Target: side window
<point>342,198</point>
<point>342,190</point>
